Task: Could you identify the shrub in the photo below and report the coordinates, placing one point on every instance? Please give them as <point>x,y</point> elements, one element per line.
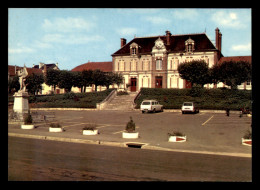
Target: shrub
<point>248,134</point>
<point>91,126</point>
<point>130,126</point>
<point>55,125</point>
<point>176,133</point>
<point>28,119</point>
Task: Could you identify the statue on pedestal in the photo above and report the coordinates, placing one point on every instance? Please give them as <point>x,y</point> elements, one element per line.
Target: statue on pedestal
<point>21,105</point>
<point>22,74</point>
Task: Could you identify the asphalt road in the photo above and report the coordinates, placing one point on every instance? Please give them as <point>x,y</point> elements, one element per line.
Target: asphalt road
<point>41,160</point>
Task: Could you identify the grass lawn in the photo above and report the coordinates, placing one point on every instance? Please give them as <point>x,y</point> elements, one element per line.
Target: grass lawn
<point>69,100</point>
<point>217,99</point>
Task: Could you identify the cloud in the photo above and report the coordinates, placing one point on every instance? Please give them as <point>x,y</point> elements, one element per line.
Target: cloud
<point>242,47</point>
<point>127,31</point>
<point>227,19</point>
<point>157,20</point>
<point>67,24</point>
<point>22,49</point>
<point>71,38</point>
<point>185,14</point>
<point>42,45</point>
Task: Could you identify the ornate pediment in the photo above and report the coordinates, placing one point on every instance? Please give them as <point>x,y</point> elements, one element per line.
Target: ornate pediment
<point>159,46</point>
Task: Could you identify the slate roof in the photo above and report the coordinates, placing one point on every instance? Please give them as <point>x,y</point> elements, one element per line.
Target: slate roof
<point>48,66</point>
<point>103,66</point>
<point>177,44</point>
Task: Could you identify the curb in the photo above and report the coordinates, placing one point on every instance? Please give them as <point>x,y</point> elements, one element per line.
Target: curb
<point>72,109</point>
<point>123,144</point>
<point>95,109</point>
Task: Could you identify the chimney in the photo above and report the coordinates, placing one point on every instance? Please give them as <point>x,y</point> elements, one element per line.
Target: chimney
<point>168,37</point>
<point>41,65</point>
<point>123,42</point>
<point>44,69</point>
<point>218,39</point>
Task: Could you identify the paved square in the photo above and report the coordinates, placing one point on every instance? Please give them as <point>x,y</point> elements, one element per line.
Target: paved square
<point>205,131</point>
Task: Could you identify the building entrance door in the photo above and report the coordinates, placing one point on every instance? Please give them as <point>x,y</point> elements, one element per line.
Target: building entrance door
<point>187,84</point>
<point>133,84</point>
<point>158,82</point>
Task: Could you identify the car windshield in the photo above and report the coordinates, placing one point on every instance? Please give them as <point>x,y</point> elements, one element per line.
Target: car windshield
<point>187,104</point>
<point>146,103</point>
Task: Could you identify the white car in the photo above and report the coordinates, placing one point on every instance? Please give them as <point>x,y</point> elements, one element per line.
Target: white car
<point>150,106</point>
<point>189,107</point>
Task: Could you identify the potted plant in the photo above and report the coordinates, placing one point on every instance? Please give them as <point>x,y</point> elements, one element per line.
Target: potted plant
<point>176,136</point>
<point>90,129</point>
<point>28,122</point>
<point>130,130</point>
<point>55,127</point>
<point>247,138</point>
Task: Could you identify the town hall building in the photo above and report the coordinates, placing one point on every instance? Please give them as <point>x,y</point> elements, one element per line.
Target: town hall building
<point>152,62</point>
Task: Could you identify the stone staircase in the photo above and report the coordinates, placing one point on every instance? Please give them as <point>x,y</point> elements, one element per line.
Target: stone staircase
<point>123,102</point>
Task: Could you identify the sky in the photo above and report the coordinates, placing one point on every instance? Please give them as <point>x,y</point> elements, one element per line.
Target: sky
<point>74,36</point>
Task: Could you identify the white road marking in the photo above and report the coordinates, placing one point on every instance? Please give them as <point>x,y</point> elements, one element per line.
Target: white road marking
<point>208,120</point>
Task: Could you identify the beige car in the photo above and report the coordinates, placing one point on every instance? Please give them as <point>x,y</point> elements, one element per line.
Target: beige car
<point>150,106</point>
<point>189,107</point>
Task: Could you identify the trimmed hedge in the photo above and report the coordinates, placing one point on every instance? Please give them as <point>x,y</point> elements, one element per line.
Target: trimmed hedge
<point>70,100</point>
<point>217,99</point>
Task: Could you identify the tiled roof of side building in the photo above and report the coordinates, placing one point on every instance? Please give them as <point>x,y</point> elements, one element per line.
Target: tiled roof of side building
<point>34,70</point>
<point>12,69</point>
<point>236,58</point>
<point>103,66</point>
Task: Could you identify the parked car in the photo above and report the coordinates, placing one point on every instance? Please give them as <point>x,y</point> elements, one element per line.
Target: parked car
<point>189,107</point>
<point>151,106</point>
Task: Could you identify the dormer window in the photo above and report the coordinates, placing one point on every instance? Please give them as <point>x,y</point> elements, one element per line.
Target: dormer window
<point>189,45</point>
<point>134,49</point>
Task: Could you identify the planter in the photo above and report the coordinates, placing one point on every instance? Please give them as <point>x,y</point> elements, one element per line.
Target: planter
<point>90,132</point>
<point>127,135</point>
<point>27,126</point>
<point>55,129</point>
<point>177,138</point>
<point>247,142</point>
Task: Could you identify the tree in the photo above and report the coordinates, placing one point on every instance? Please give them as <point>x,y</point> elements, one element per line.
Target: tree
<point>52,78</point>
<point>98,78</point>
<point>13,84</point>
<point>66,79</point>
<point>87,78</point>
<point>77,79</point>
<point>34,83</point>
<point>232,73</point>
<point>196,72</point>
<point>108,79</point>
<point>118,79</point>
<point>113,78</point>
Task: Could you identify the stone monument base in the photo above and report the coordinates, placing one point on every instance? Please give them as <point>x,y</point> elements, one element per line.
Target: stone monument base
<point>21,105</point>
